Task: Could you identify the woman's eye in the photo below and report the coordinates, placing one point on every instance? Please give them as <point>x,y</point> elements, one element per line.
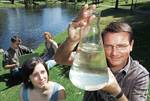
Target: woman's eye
<point>42,72</point>
<point>34,75</point>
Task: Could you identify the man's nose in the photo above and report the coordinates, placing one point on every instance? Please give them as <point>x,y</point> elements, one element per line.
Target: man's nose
<point>114,50</point>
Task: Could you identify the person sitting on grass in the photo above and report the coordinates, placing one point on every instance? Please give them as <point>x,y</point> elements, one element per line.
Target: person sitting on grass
<point>51,47</point>
<point>36,85</point>
<point>10,58</point>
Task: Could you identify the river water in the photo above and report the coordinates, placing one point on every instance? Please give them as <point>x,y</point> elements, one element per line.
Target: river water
<point>31,23</point>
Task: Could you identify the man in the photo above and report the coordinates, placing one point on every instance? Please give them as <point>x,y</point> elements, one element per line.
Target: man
<point>11,56</point>
<point>131,79</point>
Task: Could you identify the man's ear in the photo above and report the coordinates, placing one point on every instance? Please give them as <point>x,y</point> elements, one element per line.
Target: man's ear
<point>131,45</point>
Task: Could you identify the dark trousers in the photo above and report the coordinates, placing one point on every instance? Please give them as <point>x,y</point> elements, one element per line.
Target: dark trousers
<point>15,76</point>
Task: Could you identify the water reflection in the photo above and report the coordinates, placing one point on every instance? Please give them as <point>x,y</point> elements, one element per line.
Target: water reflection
<point>31,23</point>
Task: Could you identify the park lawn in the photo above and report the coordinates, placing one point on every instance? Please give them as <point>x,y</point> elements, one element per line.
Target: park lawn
<point>59,73</point>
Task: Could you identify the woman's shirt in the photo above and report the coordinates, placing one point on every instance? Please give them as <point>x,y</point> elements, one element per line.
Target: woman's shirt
<point>30,95</point>
<point>51,48</point>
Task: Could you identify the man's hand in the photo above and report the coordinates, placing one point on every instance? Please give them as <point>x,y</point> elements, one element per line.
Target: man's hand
<point>17,64</point>
<point>112,85</point>
<point>80,26</point>
<point>76,30</point>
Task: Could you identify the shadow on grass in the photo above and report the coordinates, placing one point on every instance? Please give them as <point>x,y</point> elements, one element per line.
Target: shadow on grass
<point>64,70</point>
<point>144,6</point>
<point>116,12</point>
<point>9,81</point>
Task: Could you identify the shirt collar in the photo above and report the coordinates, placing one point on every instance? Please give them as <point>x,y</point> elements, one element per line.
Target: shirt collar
<point>126,68</point>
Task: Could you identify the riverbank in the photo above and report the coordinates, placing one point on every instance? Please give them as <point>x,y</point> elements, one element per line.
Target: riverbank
<point>20,4</point>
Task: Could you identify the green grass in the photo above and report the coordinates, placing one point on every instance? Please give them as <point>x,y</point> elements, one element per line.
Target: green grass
<point>141,52</point>
<point>20,4</point>
<point>9,5</point>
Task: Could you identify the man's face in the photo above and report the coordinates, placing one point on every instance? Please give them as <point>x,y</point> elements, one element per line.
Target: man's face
<point>16,44</point>
<point>117,48</point>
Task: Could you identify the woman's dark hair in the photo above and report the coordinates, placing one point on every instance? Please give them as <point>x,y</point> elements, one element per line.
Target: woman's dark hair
<point>28,68</point>
<point>116,27</point>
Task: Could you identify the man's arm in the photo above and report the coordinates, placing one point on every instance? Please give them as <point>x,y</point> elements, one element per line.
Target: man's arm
<point>122,98</point>
<point>25,49</point>
<point>7,64</point>
<point>113,88</point>
<point>64,52</point>
<point>10,66</point>
<point>140,90</point>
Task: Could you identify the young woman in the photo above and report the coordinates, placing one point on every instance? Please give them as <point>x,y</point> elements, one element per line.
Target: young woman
<point>36,85</point>
<point>51,47</point>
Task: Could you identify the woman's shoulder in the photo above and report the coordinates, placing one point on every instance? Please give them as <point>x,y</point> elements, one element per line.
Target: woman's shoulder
<point>58,92</point>
<point>24,92</point>
<point>56,85</point>
<point>54,42</point>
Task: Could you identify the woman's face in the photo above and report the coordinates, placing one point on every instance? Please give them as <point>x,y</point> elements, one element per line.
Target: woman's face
<point>39,76</point>
<point>46,37</point>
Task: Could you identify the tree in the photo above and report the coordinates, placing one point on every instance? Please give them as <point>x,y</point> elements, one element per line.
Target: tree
<point>75,1</point>
<point>116,4</point>
<point>12,1</point>
<point>96,1</point>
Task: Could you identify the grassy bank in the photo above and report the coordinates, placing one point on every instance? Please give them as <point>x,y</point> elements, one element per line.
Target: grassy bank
<point>20,4</point>
<point>138,21</point>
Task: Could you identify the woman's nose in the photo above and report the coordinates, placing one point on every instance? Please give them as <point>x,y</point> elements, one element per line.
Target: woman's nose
<point>40,76</point>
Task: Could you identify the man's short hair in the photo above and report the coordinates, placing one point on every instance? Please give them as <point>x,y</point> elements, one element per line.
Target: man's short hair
<point>116,27</point>
<point>15,38</point>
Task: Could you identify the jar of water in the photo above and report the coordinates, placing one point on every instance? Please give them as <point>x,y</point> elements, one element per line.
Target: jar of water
<point>89,69</point>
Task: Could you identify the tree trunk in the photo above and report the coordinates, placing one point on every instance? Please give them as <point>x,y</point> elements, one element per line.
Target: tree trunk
<point>12,1</point>
<point>28,3</point>
<point>116,5</point>
<point>75,1</point>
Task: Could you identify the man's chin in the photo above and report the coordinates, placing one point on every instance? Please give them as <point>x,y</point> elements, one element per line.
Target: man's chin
<point>114,64</point>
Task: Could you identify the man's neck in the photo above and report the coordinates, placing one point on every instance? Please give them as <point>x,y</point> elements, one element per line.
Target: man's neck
<point>118,68</point>
<point>13,47</point>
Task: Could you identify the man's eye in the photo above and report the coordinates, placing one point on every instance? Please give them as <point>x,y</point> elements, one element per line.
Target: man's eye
<point>107,46</point>
<point>122,46</point>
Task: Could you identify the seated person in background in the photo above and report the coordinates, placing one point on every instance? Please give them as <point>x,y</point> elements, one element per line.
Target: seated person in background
<point>51,47</point>
<point>128,80</point>
<point>36,86</point>
<point>11,57</point>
